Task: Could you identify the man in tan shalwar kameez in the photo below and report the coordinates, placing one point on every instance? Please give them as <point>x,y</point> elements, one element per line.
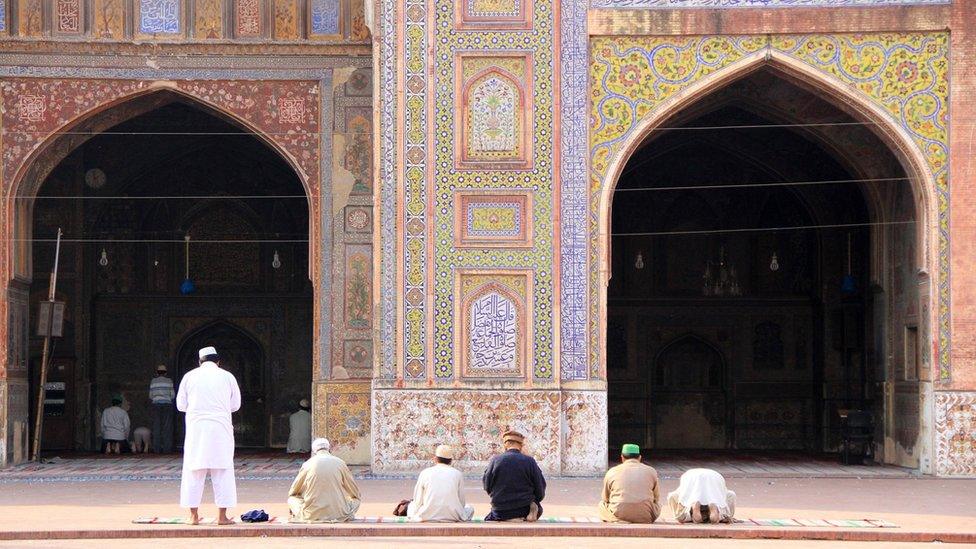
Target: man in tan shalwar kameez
<point>324,490</point>
<point>630,490</point>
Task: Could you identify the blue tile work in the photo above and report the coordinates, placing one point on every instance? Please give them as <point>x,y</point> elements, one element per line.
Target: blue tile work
<point>159,16</point>
<point>679,4</point>
<point>325,16</point>
<point>574,357</point>
<point>3,15</point>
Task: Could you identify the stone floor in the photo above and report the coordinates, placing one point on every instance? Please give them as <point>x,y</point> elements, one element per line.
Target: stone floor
<point>265,466</point>
<point>922,508</point>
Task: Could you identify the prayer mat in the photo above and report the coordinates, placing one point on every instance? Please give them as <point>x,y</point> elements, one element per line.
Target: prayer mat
<point>788,523</point>
<point>203,521</point>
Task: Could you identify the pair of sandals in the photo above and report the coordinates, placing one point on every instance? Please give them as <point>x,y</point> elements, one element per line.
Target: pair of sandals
<point>705,514</point>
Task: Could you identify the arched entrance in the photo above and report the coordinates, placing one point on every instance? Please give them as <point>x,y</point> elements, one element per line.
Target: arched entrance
<point>782,260</point>
<point>243,356</point>
<point>151,171</point>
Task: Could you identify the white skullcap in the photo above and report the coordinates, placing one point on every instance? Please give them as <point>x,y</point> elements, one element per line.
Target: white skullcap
<point>321,444</point>
<point>207,351</point>
<point>444,451</point>
<point>303,403</point>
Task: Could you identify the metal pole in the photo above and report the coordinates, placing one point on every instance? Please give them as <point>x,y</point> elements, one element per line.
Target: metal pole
<point>46,355</point>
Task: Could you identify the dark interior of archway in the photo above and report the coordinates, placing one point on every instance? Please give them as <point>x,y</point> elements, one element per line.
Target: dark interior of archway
<point>170,171</point>
<point>711,344</point>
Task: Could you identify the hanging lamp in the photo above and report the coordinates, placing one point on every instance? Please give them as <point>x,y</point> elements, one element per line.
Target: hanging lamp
<point>187,287</point>
<point>848,285</point>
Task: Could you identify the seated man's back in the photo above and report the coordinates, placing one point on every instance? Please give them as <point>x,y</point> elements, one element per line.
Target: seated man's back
<point>324,490</point>
<point>630,490</point>
<point>515,482</point>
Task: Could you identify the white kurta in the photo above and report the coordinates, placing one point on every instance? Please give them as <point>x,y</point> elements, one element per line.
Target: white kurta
<point>208,395</point>
<point>300,432</point>
<point>115,424</point>
<point>705,487</point>
<point>439,496</point>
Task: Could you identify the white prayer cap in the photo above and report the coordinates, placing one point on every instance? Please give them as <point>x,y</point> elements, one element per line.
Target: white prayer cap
<point>321,444</point>
<point>444,451</point>
<point>207,351</point>
<point>303,403</point>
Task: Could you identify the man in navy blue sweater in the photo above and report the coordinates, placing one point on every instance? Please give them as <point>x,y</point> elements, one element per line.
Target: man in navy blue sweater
<point>514,482</point>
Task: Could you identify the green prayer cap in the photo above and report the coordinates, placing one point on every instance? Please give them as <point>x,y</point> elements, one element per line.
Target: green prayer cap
<point>630,450</point>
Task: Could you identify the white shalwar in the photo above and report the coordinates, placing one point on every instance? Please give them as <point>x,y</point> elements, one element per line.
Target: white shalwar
<point>208,395</point>
<point>705,487</point>
<point>439,496</point>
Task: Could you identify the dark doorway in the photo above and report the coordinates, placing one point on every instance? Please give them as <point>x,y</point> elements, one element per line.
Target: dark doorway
<point>743,308</point>
<point>125,199</point>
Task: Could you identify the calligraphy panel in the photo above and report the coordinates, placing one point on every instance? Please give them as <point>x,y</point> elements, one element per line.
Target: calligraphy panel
<point>324,17</point>
<point>159,17</point>
<point>68,16</point>
<point>493,310</point>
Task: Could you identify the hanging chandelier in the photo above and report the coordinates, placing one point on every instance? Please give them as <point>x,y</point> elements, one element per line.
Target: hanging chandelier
<point>721,278</point>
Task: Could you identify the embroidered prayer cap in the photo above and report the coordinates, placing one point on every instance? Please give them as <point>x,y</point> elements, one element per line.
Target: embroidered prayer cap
<point>444,451</point>
<point>513,436</point>
<point>630,450</point>
<point>321,444</point>
<point>207,351</point>
<point>303,403</point>
<point>161,368</point>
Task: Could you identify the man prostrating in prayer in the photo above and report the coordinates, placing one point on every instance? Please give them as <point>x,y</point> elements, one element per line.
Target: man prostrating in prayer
<point>208,395</point>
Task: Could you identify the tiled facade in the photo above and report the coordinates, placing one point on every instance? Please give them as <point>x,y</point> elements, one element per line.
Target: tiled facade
<point>500,129</point>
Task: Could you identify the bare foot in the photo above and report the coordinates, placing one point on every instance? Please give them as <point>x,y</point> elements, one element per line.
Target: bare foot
<point>222,520</point>
<point>194,517</point>
<point>713,516</point>
<point>696,516</point>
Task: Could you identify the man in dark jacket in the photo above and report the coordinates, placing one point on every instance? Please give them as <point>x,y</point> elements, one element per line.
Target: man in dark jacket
<point>514,482</point>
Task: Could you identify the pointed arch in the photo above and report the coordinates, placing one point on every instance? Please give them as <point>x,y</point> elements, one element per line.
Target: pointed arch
<point>38,164</point>
<point>846,98</point>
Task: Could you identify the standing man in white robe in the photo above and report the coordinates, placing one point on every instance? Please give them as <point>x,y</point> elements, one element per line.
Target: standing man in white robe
<point>208,395</point>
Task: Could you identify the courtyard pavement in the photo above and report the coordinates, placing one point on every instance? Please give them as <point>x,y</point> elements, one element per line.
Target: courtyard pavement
<point>922,508</point>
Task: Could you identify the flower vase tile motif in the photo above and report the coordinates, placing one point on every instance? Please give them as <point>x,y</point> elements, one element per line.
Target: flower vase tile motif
<point>719,4</point>
<point>494,14</point>
<point>324,18</point>
<point>208,19</point>
<point>494,105</point>
<point>159,17</point>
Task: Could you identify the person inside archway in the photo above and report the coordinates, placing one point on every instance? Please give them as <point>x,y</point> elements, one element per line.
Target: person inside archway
<point>115,426</point>
<point>630,490</point>
<point>300,429</point>
<point>702,497</point>
<point>161,395</point>
<point>208,395</point>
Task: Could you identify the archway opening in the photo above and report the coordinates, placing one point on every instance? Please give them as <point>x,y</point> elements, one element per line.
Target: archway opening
<point>764,280</point>
<point>126,198</point>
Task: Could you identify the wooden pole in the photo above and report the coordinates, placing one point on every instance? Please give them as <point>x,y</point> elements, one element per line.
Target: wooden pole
<point>46,355</point>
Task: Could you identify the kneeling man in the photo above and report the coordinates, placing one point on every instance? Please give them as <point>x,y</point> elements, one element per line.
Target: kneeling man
<point>702,497</point>
<point>514,482</point>
<point>439,494</point>
<point>324,490</point>
<point>630,490</point>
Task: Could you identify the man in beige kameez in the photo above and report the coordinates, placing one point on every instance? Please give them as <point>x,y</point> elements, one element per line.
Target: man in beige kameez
<point>324,490</point>
<point>630,490</point>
